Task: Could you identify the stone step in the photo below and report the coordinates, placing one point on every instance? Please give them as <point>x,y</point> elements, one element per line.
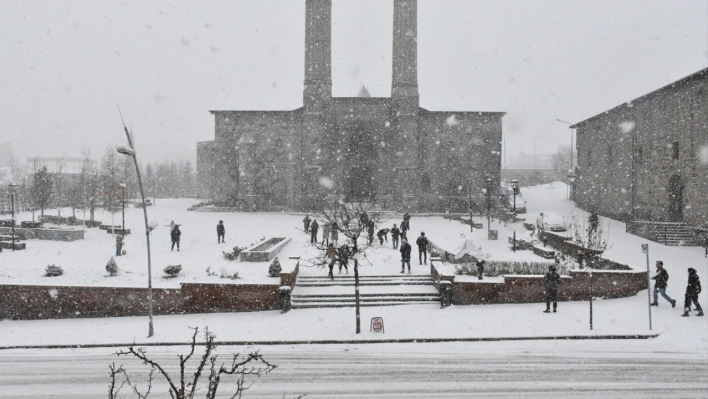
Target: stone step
<point>364,300</point>
<point>351,295</point>
<point>364,305</point>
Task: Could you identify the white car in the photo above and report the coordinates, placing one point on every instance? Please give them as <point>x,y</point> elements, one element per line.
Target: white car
<point>550,221</point>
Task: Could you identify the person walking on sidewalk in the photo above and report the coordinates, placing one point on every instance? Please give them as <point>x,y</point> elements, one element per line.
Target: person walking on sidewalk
<point>661,278</point>
<point>306,223</point>
<point>313,232</point>
<point>422,242</point>
<point>119,244</point>
<point>331,257</point>
<point>692,291</point>
<point>220,232</point>
<point>551,281</point>
<point>175,236</point>
<point>395,234</point>
<point>405,256</point>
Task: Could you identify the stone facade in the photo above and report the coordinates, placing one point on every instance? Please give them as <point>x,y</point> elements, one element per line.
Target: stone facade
<point>388,150</point>
<point>647,159</point>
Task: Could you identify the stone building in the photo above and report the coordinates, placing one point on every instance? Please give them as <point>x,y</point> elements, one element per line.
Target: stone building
<point>647,159</point>
<point>388,150</point>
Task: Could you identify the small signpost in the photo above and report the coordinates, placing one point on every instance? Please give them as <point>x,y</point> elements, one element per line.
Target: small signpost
<point>645,249</point>
<point>377,325</point>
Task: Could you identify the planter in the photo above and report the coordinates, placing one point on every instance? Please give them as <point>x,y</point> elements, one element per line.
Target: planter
<point>265,251</point>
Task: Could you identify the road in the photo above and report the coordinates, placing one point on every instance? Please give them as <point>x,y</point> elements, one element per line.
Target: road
<point>385,371</point>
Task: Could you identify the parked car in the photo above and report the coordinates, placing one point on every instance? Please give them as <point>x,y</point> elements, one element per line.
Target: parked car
<point>551,221</point>
<point>508,201</point>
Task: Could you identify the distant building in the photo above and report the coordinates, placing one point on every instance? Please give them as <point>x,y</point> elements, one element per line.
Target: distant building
<point>388,150</point>
<point>647,159</point>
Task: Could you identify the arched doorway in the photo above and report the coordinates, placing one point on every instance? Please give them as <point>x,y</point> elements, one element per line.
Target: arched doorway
<point>675,191</point>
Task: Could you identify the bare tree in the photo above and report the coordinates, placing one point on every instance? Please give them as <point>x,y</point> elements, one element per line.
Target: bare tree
<point>560,160</point>
<point>110,182</point>
<point>42,188</point>
<point>183,386</point>
<point>590,234</point>
<point>350,222</point>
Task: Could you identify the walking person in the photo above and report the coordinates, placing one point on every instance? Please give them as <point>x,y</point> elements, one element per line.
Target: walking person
<point>480,268</point>
<point>422,242</point>
<point>331,257</point>
<point>119,244</point>
<point>306,222</point>
<point>325,233</point>
<point>692,290</point>
<point>220,232</point>
<point>364,220</point>
<point>382,235</point>
<point>313,232</point>
<point>661,278</point>
<point>334,233</point>
<point>551,281</point>
<point>407,219</point>
<point>405,226</point>
<point>405,256</point>
<point>395,234</point>
<point>343,253</point>
<point>175,235</point>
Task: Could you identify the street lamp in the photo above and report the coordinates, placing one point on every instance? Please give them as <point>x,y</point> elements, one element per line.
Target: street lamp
<point>515,189</point>
<point>469,203</point>
<point>11,187</point>
<point>131,153</point>
<point>122,187</point>
<point>489,202</point>
<point>571,180</point>
<point>571,149</point>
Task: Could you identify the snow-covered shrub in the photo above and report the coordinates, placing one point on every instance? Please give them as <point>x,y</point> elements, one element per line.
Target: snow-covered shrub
<point>172,270</point>
<point>210,273</point>
<point>275,268</point>
<point>233,255</point>
<point>53,271</point>
<point>496,268</point>
<point>233,276</point>
<point>112,267</point>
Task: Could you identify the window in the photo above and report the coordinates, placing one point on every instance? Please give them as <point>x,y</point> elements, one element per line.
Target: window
<point>640,156</point>
<point>425,183</point>
<point>675,151</point>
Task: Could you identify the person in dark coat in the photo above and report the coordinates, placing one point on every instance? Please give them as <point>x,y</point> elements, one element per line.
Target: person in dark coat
<point>313,231</point>
<point>175,234</point>
<point>334,233</point>
<point>692,291</point>
<point>364,220</point>
<point>551,281</point>
<point>220,231</point>
<point>407,219</point>
<point>395,235</point>
<point>661,279</point>
<point>480,268</point>
<point>344,254</point>
<point>371,227</point>
<point>405,226</point>
<point>382,234</point>
<point>405,256</point>
<point>422,242</point>
<point>306,222</point>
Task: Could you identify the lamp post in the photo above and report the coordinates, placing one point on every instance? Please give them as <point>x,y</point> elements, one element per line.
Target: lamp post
<point>515,188</point>
<point>571,180</point>
<point>572,133</point>
<point>489,203</point>
<point>469,203</point>
<point>131,152</point>
<point>11,187</point>
<point>122,187</point>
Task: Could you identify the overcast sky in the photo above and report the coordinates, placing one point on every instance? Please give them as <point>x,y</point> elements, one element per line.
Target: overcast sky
<point>64,65</point>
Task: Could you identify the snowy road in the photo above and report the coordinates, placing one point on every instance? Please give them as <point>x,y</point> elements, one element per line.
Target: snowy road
<point>392,371</point>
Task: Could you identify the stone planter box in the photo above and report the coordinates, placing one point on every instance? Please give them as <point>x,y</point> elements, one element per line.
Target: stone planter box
<point>52,234</point>
<point>31,225</point>
<point>8,245</point>
<point>264,251</point>
<point>119,231</point>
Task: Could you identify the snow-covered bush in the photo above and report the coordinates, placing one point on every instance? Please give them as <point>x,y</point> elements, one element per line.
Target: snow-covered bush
<point>275,268</point>
<point>112,267</point>
<point>53,271</point>
<point>233,276</point>
<point>233,255</point>
<point>496,268</point>
<point>172,270</point>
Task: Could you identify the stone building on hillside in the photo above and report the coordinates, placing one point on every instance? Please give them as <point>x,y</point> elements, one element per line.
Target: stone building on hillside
<point>388,150</point>
<point>647,160</point>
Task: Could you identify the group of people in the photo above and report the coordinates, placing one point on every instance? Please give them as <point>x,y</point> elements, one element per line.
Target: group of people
<point>692,289</point>
<point>330,231</point>
<point>552,279</point>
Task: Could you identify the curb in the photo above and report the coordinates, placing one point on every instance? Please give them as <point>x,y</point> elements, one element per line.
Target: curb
<point>345,342</point>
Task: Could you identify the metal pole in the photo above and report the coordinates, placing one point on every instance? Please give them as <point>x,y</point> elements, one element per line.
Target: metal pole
<point>12,220</point>
<point>590,297</point>
<point>648,288</point>
<point>123,187</point>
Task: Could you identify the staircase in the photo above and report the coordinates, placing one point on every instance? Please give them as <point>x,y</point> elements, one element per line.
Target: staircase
<point>675,234</point>
<point>385,290</point>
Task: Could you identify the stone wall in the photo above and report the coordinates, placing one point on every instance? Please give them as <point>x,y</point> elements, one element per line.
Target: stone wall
<point>44,234</point>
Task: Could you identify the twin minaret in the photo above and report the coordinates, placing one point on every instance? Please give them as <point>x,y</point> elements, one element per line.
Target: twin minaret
<point>318,56</point>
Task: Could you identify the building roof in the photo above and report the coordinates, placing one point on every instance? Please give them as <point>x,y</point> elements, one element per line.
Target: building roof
<point>681,81</point>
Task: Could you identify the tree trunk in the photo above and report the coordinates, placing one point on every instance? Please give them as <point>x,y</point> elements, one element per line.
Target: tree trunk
<point>356,295</point>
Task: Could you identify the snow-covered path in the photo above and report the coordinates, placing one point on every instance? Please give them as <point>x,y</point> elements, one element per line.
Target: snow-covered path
<point>495,369</point>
